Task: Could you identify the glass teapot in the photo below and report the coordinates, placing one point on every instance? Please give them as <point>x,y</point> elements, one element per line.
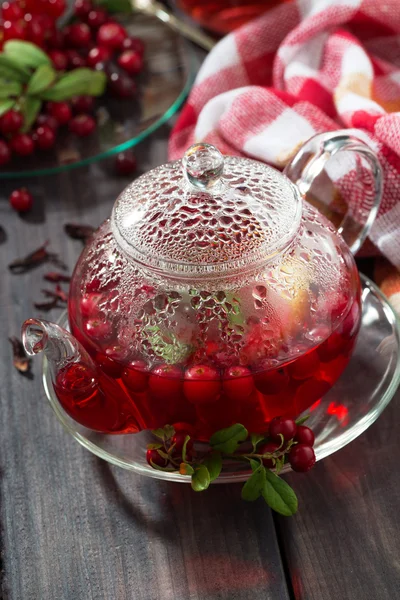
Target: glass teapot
<point>213,295</point>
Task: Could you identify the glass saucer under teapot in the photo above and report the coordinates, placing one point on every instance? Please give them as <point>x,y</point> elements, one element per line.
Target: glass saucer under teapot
<point>213,295</point>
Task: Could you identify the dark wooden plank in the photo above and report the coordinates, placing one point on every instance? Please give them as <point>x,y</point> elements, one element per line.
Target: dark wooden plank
<point>72,527</point>
<point>345,542</point>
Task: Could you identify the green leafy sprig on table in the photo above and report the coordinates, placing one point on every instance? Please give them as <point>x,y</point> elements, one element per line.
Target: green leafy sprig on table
<point>233,443</point>
<point>27,78</point>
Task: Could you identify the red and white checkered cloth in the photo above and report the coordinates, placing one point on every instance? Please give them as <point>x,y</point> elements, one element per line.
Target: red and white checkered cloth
<point>306,67</point>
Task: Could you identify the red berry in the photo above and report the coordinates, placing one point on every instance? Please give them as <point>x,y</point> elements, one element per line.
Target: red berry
<point>78,35</point>
<point>125,163</point>
<point>109,363</point>
<point>238,383</point>
<point>82,8</point>
<point>61,111</point>
<point>133,44</point>
<point>44,137</point>
<point>272,382</point>
<point>54,8</point>
<point>98,330</point>
<point>10,11</point>
<point>97,55</point>
<point>47,120</point>
<point>152,456</point>
<point>82,104</point>
<point>96,18</point>
<point>35,29</point>
<point>11,122</point>
<point>21,200</point>
<point>166,382</point>
<point>82,125</point>
<point>178,440</point>
<point>304,435</point>
<point>186,427</point>
<point>13,30</point>
<point>59,59</point>
<point>131,61</point>
<point>121,85</point>
<point>55,39</point>
<point>75,60</point>
<point>202,384</point>
<point>136,376</point>
<point>5,153</point>
<point>22,144</point>
<point>301,458</point>
<point>268,448</point>
<point>111,35</point>
<point>282,426</point>
<point>305,366</point>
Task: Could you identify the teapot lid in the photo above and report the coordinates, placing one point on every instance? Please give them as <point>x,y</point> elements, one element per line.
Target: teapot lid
<point>207,214</point>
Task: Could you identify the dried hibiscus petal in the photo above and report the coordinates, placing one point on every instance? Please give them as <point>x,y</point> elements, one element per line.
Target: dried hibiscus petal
<point>56,277</point>
<point>46,305</point>
<point>35,258</point>
<point>20,360</point>
<point>79,232</point>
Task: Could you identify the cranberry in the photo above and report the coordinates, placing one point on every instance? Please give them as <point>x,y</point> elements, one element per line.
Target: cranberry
<point>282,426</point>
<point>304,435</point>
<point>82,104</point>
<point>97,55</point>
<point>5,153</point>
<point>82,125</point>
<point>10,11</point>
<point>268,448</point>
<point>55,39</point>
<point>54,8</point>
<point>44,137</point>
<point>121,85</point>
<point>111,35</point>
<point>61,111</point>
<point>108,362</point>
<point>35,30</point>
<point>186,427</point>
<point>47,120</point>
<point>13,30</point>
<point>82,8</point>
<point>96,18</point>
<point>136,376</point>
<point>90,305</point>
<point>22,144</point>
<point>59,59</point>
<point>178,440</point>
<point>98,330</point>
<point>202,384</point>
<point>272,382</point>
<point>165,382</point>
<point>11,122</point>
<point>238,383</point>
<point>75,60</point>
<point>78,35</point>
<point>152,456</point>
<point>302,458</point>
<point>21,200</point>
<point>305,366</point>
<point>133,44</point>
<point>131,61</point>
<point>125,163</point>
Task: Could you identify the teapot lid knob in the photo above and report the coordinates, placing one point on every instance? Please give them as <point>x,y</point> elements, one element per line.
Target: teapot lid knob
<point>203,165</point>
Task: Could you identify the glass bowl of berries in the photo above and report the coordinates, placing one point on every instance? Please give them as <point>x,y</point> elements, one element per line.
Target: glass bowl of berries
<point>84,85</point>
<point>209,316</point>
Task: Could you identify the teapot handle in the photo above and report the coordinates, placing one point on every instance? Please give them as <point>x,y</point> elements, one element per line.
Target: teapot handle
<point>310,162</point>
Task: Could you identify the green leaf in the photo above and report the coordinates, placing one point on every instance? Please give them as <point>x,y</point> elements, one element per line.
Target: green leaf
<point>76,83</point>
<point>30,108</point>
<point>5,105</point>
<point>164,433</point>
<point>256,438</point>
<point>213,462</point>
<point>12,70</point>
<point>185,443</point>
<point>116,6</point>
<point>253,487</point>
<point>227,440</point>
<point>42,78</point>
<point>158,468</point>
<point>279,495</point>
<point>302,420</point>
<point>154,446</point>
<point>185,469</point>
<point>163,454</point>
<point>200,478</point>
<point>26,54</point>
<point>9,88</point>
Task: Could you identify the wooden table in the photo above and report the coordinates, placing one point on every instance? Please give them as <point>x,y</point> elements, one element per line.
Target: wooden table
<point>73,527</point>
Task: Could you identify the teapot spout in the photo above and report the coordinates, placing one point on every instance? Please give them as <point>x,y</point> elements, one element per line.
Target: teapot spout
<point>57,343</point>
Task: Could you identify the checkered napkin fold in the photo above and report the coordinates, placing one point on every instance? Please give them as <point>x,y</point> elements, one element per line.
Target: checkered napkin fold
<point>303,68</point>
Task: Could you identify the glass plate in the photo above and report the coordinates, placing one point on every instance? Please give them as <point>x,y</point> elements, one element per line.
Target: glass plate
<point>349,408</point>
<point>170,67</point>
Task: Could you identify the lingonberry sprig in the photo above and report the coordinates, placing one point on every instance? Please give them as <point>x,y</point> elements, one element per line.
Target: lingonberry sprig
<point>286,441</point>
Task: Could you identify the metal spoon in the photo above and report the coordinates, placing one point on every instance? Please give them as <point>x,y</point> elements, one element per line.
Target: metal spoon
<point>155,9</point>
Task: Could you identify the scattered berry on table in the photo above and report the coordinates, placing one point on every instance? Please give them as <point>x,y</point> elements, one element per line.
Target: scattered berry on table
<point>111,35</point>
<point>131,61</point>
<point>21,200</point>
<point>301,458</point>
<point>44,137</point>
<point>82,125</point>
<point>61,111</point>
<point>11,122</point>
<point>125,163</point>
<point>5,154</point>
<point>22,144</point>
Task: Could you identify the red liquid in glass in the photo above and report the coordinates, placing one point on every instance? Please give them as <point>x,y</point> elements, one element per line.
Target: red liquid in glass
<point>117,398</point>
